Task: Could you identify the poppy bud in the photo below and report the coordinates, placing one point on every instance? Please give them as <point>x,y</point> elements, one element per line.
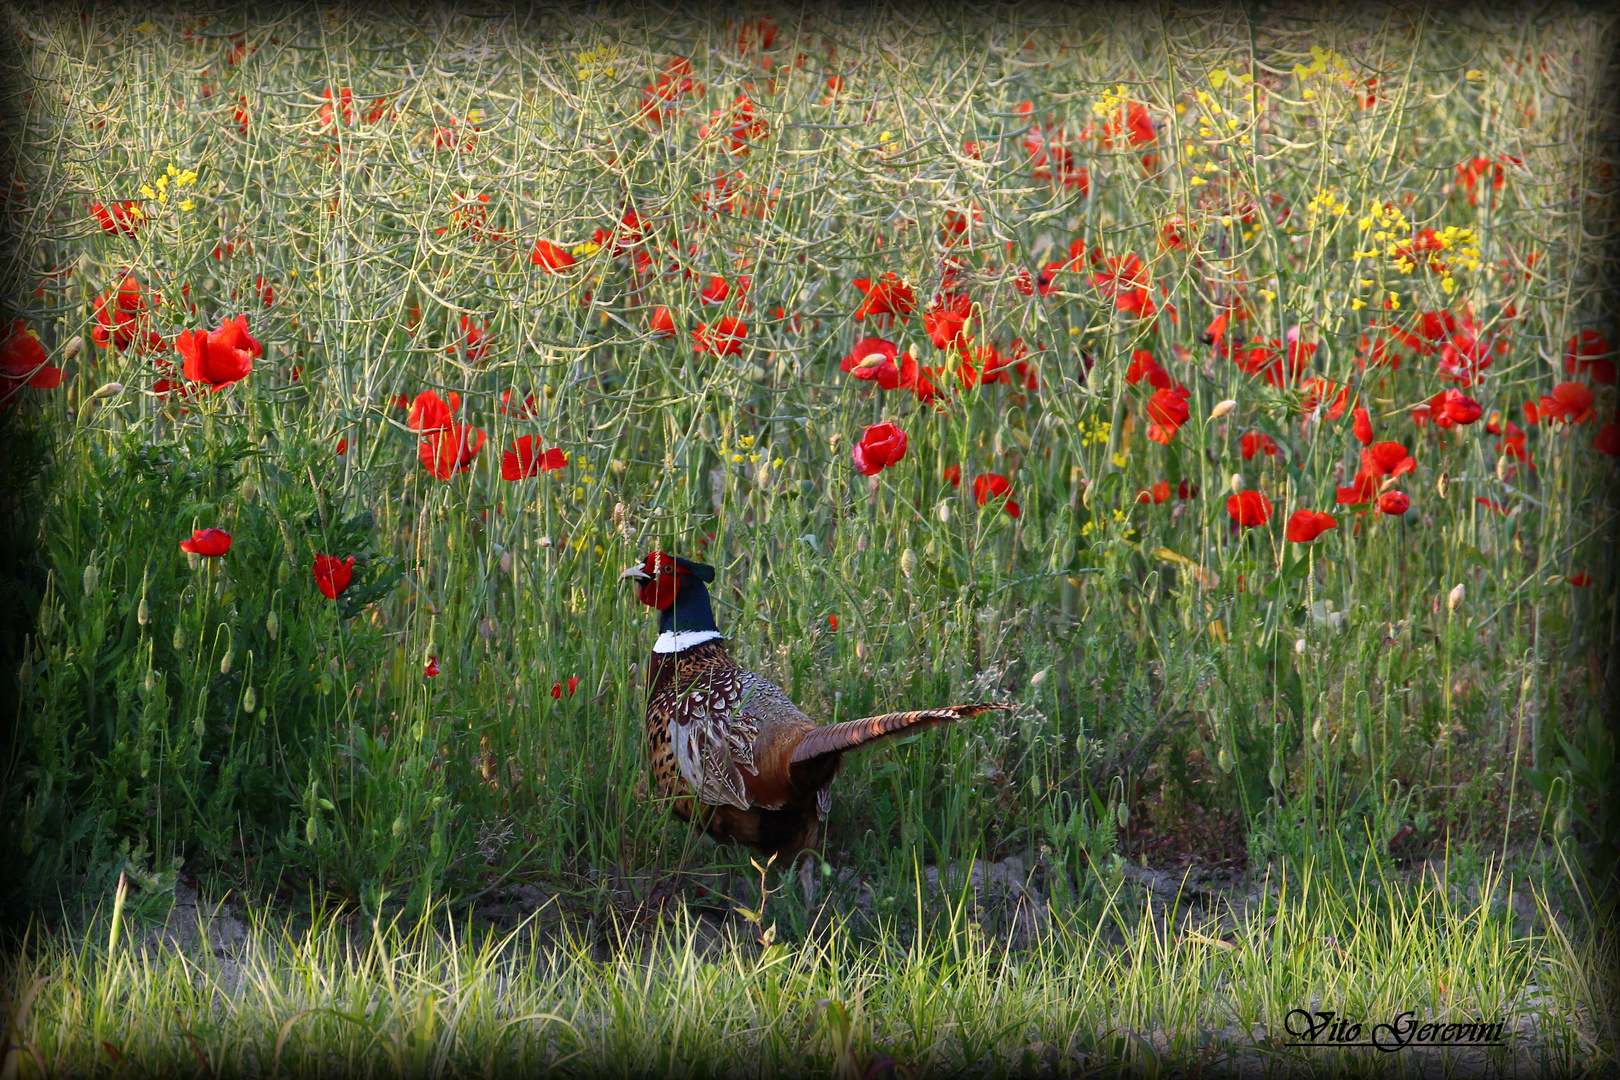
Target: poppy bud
<point>73,348</point>
<point>1561,822</point>
<point>90,579</point>
<point>1222,408</point>
<point>1319,729</point>
<point>549,390</point>
<point>1224,760</point>
<point>142,614</point>
<point>943,511</point>
<point>399,827</point>
<point>1455,597</point>
<point>249,489</point>
<point>272,625</point>
<point>225,662</point>
<point>436,844</point>
<point>1124,815</point>
<point>312,830</point>
<point>1277,775</point>
<point>150,682</point>
<point>250,700</point>
<point>1237,483</point>
<point>25,674</point>
<point>107,390</point>
<point>1039,677</point>
<point>1442,485</point>
<point>1299,646</point>
<point>46,619</point>
<point>1358,744</point>
<point>908,562</point>
<point>179,639</point>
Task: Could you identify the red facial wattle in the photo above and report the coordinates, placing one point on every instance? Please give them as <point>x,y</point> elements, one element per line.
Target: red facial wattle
<point>660,592</point>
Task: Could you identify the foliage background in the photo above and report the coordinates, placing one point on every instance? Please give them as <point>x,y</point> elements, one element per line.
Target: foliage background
<point>1353,706</point>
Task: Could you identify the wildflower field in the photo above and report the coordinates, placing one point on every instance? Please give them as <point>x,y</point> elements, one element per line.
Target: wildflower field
<point>1236,396</point>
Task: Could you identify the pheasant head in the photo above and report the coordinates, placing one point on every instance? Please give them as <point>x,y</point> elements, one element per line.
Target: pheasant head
<point>677,589</point>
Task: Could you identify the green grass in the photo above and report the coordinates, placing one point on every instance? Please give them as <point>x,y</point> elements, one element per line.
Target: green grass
<point>341,996</point>
<point>1185,687</point>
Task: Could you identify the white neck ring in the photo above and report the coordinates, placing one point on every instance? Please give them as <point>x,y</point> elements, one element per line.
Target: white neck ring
<point>673,641</point>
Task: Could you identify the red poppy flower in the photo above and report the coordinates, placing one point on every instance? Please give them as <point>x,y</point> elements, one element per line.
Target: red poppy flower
<point>522,460</point>
<point>332,575</point>
<point>953,473</point>
<point>1362,426</point>
<point>881,446</point>
<point>1581,580</point>
<point>523,410</point>
<point>1491,504</point>
<point>453,450</point>
<point>431,668</point>
<point>723,339</point>
<point>345,103</point>
<point>1167,411</point>
<point>1394,503</point>
<point>989,486</point>
<point>888,295</point>
<point>1470,172</point>
<point>342,447</point>
<point>1362,490</point>
<point>946,320</point>
<point>1321,391</point>
<point>1306,525</point>
<point>875,358</point>
<point>475,341</point>
<point>1257,442</point>
<point>715,292</point>
<point>557,688</point>
<point>1570,402</point>
<point>211,543</point>
<point>1512,444</point>
<point>219,357</point>
<point>121,318</point>
<point>119,218</point>
<point>1386,459</point>
<point>1125,280</point>
<point>550,257</point>
<point>1249,508</point>
<point>430,413</point>
<point>661,322</point>
<point>1447,409</point>
<point>1157,494</point>
<point>1608,439</point>
<point>1588,352</point>
<point>1144,366</point>
<point>23,363</point>
<point>1532,415</point>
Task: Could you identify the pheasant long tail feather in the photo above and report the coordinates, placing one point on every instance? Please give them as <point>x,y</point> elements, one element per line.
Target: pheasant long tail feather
<point>852,733</point>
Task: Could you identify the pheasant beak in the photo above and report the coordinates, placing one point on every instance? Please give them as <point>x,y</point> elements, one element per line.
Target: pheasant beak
<point>635,573</point>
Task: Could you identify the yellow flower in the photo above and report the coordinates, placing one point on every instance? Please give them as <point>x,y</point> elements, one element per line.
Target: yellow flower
<point>1267,293</point>
<point>885,136</point>
<point>1357,303</point>
<point>1394,302</point>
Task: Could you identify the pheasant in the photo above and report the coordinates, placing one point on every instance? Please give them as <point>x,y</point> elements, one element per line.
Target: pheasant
<point>728,748</point>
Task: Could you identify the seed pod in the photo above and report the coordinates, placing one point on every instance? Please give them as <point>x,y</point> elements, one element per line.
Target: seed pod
<point>250,700</point>
<point>1455,597</point>
<point>272,626</point>
<point>908,562</point>
<point>1222,408</point>
<point>90,579</point>
<point>1442,485</point>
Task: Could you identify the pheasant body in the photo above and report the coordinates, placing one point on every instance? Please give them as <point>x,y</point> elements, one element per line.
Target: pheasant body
<point>728,748</point>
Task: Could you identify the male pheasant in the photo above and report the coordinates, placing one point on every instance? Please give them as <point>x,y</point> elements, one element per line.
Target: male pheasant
<point>727,745</point>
